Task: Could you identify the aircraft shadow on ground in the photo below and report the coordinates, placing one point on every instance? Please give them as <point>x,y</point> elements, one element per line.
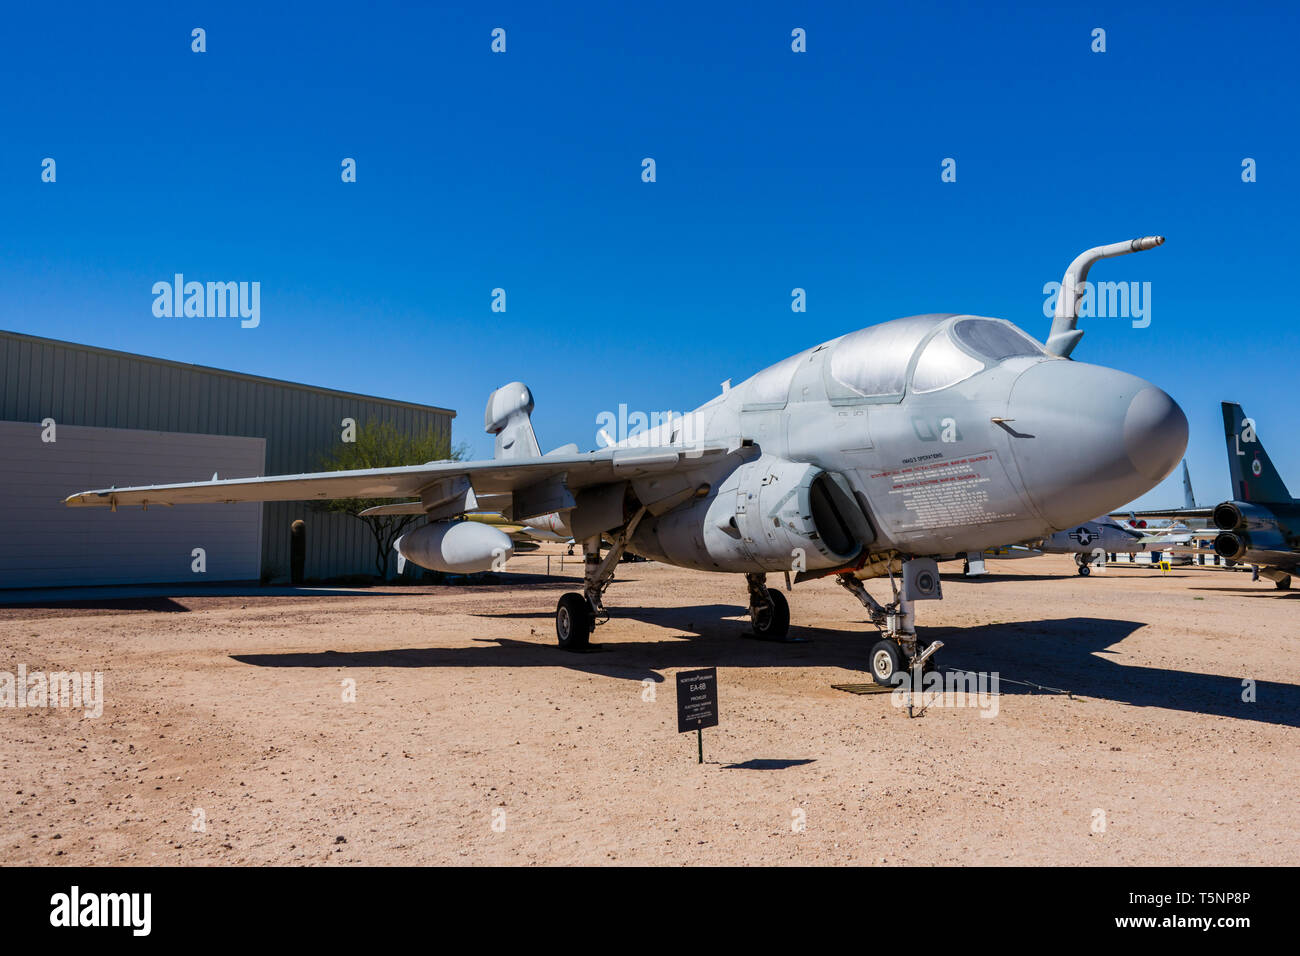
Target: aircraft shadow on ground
<point>1076,654</point>
<point>1070,654</point>
<point>157,605</point>
<point>1257,591</point>
<point>170,603</point>
<point>769,764</point>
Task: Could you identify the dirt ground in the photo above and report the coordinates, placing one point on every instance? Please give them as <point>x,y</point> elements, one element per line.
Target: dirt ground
<point>226,736</point>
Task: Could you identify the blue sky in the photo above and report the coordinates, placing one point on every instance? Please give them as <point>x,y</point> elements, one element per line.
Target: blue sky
<point>775,170</point>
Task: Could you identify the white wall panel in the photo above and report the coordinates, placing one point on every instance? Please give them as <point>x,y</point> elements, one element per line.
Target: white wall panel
<point>44,543</point>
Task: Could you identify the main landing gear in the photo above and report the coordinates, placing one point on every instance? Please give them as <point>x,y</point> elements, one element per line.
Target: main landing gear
<point>899,648</point>
<point>768,610</point>
<point>577,615</point>
<point>1281,580</point>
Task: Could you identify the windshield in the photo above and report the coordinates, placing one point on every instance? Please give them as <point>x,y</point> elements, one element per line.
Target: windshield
<point>943,364</point>
<point>994,340</point>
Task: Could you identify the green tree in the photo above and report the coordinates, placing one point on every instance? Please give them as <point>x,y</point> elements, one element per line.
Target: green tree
<point>381,445</point>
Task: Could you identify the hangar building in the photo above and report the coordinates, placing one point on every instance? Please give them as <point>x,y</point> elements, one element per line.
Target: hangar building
<point>123,419</point>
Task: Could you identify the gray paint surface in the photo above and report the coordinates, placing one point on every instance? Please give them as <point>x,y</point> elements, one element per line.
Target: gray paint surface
<point>43,545</point>
<point>81,385</point>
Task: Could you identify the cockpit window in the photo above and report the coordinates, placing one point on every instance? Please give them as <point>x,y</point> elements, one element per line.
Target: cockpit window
<point>872,362</point>
<point>994,341</point>
<point>1120,528</point>
<point>942,364</point>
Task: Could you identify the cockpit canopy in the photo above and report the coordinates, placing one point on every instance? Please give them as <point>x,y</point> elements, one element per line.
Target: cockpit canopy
<point>874,364</point>
<point>938,350</point>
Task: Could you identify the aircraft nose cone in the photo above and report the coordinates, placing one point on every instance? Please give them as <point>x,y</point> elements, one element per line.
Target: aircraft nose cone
<point>1088,440</point>
<point>1155,433</point>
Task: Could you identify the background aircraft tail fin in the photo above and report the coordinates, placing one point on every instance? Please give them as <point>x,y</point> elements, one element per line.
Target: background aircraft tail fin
<point>1189,499</point>
<point>508,418</point>
<point>1253,476</point>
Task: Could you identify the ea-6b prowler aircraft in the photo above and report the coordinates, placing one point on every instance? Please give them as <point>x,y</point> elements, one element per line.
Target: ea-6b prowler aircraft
<point>867,455</point>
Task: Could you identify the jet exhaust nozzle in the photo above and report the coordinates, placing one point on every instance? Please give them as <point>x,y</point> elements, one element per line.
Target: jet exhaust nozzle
<point>1229,545</point>
<point>1228,516</point>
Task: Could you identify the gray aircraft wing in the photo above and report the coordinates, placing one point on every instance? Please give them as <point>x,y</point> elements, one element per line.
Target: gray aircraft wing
<point>1164,513</point>
<point>441,485</point>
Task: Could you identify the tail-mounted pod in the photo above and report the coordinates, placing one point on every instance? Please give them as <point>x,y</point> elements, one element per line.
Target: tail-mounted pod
<point>508,417</point>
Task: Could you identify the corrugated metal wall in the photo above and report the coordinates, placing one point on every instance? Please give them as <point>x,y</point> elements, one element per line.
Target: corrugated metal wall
<point>79,385</point>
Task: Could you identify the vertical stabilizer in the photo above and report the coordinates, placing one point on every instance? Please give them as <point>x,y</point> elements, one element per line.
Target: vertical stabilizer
<point>1253,476</point>
<point>1189,499</point>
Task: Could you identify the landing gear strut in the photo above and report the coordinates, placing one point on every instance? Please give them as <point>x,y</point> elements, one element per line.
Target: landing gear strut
<point>768,609</point>
<point>577,615</point>
<point>899,647</point>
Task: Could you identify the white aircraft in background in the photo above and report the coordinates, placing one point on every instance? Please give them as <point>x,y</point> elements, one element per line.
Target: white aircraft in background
<point>1091,541</point>
<point>1088,541</point>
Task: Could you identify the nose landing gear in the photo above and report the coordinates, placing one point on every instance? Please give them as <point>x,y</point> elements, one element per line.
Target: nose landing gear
<point>899,648</point>
<point>886,661</point>
<point>1086,562</point>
